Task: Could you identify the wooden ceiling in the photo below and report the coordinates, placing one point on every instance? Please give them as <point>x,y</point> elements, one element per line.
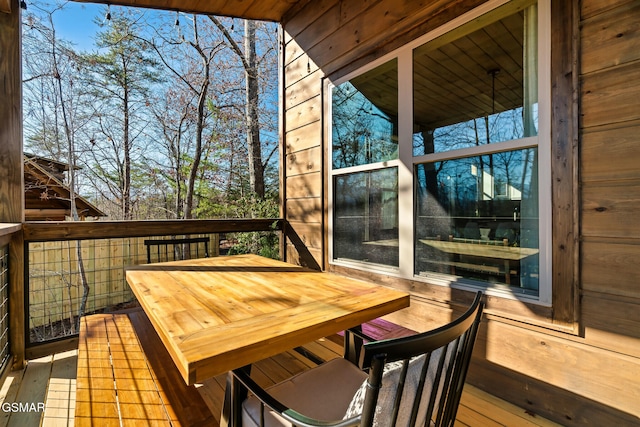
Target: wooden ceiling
<point>265,10</point>
<point>455,75</point>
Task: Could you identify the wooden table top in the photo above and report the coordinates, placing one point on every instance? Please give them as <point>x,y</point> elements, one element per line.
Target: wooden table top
<point>221,313</point>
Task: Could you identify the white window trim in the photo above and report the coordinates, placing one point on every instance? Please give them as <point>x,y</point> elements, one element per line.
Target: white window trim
<point>406,161</point>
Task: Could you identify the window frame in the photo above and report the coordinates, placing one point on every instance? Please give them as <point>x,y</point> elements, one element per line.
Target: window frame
<point>406,161</point>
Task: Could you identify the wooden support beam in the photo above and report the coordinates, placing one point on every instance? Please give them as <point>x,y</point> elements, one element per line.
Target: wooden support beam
<point>11,164</point>
<point>17,330</point>
<point>11,169</point>
<point>5,6</point>
<point>564,142</point>
<point>69,230</point>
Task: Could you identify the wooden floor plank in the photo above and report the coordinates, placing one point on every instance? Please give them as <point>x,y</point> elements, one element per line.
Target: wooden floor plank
<point>51,376</point>
<point>60,399</point>
<point>467,416</point>
<point>187,405</point>
<point>96,400</point>
<point>212,392</point>
<point>324,349</point>
<point>9,392</point>
<point>32,390</point>
<point>509,414</point>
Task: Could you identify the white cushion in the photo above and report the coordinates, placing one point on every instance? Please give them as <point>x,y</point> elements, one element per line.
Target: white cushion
<point>386,397</point>
<point>323,393</point>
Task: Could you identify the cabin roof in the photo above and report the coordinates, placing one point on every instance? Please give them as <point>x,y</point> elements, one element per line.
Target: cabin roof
<point>46,195</point>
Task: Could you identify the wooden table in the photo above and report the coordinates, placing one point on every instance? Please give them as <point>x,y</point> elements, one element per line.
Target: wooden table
<point>481,249</point>
<point>498,251</point>
<point>222,313</point>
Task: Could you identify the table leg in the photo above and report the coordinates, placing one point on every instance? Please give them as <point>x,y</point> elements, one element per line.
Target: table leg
<point>353,345</point>
<point>234,395</point>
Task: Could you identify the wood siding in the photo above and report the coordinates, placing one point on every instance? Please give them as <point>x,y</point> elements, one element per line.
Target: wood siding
<point>572,362</point>
<point>610,178</point>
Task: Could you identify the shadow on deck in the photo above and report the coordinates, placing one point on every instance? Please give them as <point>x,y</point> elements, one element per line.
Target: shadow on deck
<point>50,382</point>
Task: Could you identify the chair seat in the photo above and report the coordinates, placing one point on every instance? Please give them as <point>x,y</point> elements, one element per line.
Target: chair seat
<point>323,393</point>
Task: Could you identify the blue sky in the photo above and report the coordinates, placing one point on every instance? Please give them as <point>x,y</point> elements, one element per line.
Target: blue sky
<point>75,23</point>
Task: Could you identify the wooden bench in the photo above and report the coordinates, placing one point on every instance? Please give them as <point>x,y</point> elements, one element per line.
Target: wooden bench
<point>480,259</point>
<point>126,377</point>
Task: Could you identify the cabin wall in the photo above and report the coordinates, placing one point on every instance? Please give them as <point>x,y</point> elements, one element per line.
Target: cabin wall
<point>573,363</point>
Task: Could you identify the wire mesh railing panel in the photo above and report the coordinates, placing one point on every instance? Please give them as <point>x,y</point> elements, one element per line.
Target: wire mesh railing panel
<point>4,305</point>
<point>71,278</point>
<point>67,279</point>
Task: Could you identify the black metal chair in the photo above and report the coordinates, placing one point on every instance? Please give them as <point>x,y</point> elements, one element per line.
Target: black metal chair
<point>176,249</point>
<point>409,381</point>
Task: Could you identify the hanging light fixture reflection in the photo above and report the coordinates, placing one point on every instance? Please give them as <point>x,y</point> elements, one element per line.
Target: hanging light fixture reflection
<point>493,73</point>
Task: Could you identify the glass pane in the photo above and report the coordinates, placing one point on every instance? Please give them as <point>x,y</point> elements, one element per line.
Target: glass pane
<point>365,226</point>
<point>477,87</point>
<point>477,218</point>
<point>365,118</point>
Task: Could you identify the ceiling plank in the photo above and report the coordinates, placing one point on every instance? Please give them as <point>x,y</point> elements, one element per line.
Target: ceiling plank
<point>264,10</point>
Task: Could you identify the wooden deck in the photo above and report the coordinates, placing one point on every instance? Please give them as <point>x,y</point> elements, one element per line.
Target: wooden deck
<point>51,381</point>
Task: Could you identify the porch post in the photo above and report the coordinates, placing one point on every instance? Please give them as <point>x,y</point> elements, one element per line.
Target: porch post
<point>11,167</point>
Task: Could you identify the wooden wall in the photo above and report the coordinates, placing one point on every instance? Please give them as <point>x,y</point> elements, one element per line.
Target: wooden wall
<point>582,373</point>
<point>339,37</point>
<point>610,173</point>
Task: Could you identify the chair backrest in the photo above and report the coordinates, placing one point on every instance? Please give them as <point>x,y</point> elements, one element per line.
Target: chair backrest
<point>505,231</point>
<point>159,250</point>
<point>471,230</point>
<point>420,377</point>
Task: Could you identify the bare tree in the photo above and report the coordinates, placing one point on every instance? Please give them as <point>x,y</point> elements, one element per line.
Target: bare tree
<point>121,78</point>
<point>250,63</point>
<point>60,63</point>
<point>196,107</point>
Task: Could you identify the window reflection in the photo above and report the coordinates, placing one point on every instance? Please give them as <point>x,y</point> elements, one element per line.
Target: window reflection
<point>365,118</point>
<point>477,217</point>
<point>477,88</point>
<point>366,217</point>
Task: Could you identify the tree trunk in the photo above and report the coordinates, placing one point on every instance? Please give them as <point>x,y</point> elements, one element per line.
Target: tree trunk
<point>256,169</point>
<point>202,103</point>
<point>126,179</point>
<point>72,181</point>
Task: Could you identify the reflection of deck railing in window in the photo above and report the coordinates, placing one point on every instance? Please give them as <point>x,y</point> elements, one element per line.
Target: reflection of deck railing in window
<point>64,256</point>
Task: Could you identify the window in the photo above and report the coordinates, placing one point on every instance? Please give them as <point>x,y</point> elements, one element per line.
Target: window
<point>365,181</point>
<point>440,156</point>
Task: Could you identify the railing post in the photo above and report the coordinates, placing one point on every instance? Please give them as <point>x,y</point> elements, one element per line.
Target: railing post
<point>18,255</point>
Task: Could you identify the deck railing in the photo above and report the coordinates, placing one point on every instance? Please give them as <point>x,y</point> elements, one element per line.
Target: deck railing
<point>9,234</point>
<point>75,268</point>
<point>4,305</point>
